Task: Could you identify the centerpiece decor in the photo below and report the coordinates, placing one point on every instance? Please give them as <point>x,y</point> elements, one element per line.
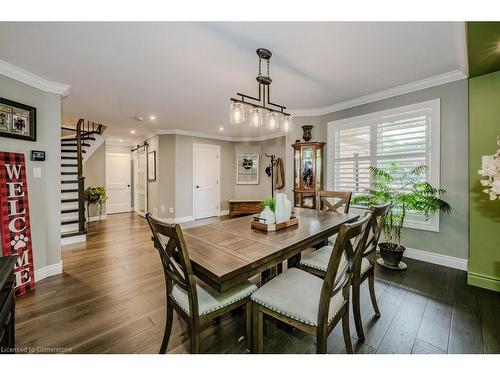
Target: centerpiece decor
<point>95,195</point>
<point>491,174</point>
<point>261,106</point>
<point>276,214</point>
<point>408,193</point>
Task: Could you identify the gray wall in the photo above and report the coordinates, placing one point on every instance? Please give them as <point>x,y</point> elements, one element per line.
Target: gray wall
<point>94,171</point>
<point>452,239</point>
<point>44,193</point>
<point>274,146</point>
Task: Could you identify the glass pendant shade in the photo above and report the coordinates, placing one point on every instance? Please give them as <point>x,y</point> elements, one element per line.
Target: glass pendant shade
<point>255,117</point>
<point>271,120</point>
<point>237,111</point>
<point>287,120</point>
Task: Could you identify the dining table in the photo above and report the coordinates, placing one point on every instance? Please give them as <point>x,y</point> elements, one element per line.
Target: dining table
<point>227,252</point>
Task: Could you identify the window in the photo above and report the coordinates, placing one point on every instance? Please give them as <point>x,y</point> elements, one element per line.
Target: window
<point>400,138</point>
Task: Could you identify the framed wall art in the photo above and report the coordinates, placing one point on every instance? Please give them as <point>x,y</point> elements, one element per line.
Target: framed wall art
<point>17,120</point>
<point>152,166</point>
<point>247,169</point>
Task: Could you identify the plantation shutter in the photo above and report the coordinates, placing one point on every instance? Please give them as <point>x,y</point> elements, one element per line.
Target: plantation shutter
<point>397,142</point>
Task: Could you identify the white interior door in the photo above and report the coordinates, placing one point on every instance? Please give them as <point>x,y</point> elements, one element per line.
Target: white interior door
<point>118,182</point>
<point>206,176</point>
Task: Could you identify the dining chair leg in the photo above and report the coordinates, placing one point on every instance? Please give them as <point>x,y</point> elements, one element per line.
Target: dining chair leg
<point>168,328</point>
<point>195,340</point>
<point>258,330</point>
<point>371,286</point>
<point>356,309</point>
<point>248,319</point>
<point>321,343</point>
<point>347,333</point>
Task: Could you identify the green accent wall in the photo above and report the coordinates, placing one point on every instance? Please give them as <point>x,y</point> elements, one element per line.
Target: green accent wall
<point>484,236</point>
<point>483,47</point>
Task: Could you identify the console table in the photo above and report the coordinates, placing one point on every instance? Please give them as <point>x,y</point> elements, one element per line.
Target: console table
<point>244,206</point>
<point>7,331</point>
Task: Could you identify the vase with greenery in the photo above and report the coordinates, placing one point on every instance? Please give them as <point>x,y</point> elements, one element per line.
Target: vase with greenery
<point>407,192</point>
<point>268,205</point>
<point>95,195</point>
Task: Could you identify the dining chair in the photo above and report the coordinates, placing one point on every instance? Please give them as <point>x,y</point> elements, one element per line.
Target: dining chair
<point>326,200</point>
<point>196,304</point>
<point>307,302</point>
<point>316,263</point>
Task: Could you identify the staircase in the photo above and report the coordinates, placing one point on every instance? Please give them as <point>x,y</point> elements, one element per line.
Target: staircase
<point>73,150</point>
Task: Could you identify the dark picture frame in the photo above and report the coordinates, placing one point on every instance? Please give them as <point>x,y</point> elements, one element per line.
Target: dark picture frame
<point>17,120</point>
<point>152,166</point>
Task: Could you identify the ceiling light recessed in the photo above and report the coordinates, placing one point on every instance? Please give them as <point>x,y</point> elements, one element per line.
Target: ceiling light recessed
<point>132,132</point>
<point>139,118</point>
<point>221,129</point>
<point>152,118</point>
<point>120,140</point>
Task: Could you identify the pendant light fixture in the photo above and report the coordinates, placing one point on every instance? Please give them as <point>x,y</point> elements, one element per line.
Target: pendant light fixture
<point>258,107</point>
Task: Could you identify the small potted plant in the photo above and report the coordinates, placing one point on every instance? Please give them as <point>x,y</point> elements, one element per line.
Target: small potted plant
<point>95,195</point>
<point>408,193</point>
<point>267,213</point>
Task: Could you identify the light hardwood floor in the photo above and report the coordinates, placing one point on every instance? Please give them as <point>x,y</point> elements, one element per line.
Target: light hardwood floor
<point>111,299</point>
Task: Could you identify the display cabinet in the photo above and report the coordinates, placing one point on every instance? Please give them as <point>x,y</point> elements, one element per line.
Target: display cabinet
<point>308,176</point>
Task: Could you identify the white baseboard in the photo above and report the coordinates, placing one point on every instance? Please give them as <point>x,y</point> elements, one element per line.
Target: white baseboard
<point>442,260</point>
<point>223,212</point>
<point>183,219</point>
<point>47,271</point>
<point>75,239</point>
<point>96,218</point>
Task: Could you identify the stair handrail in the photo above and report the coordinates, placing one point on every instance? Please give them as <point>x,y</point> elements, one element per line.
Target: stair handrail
<point>81,178</point>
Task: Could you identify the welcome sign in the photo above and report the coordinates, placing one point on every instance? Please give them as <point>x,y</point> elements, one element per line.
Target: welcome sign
<point>15,219</point>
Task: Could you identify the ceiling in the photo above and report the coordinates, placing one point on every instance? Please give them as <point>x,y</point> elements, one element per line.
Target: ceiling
<point>483,44</point>
<point>185,73</point>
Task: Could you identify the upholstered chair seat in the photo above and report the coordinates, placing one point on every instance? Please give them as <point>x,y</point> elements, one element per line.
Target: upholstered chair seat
<point>296,294</point>
<point>319,260</point>
<point>210,300</point>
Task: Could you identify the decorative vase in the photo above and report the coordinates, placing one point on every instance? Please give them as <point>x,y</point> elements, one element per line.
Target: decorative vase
<point>283,209</point>
<point>307,132</point>
<point>268,215</point>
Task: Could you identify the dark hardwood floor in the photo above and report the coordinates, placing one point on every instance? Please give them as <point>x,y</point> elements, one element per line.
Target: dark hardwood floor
<point>111,299</point>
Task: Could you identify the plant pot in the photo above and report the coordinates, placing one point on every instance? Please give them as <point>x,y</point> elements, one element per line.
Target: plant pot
<point>391,256</point>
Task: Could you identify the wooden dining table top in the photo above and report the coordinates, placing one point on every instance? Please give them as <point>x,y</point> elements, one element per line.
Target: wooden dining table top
<point>228,252</point>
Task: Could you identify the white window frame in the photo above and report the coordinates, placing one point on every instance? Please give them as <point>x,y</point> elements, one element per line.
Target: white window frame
<point>433,109</point>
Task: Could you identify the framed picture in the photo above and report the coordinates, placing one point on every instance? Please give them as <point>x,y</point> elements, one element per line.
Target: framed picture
<point>17,120</point>
<point>247,169</point>
<point>152,166</point>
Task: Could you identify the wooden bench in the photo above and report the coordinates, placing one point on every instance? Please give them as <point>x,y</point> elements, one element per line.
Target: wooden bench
<point>244,206</point>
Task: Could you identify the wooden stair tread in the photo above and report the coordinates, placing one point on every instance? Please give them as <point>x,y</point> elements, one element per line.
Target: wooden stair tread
<point>73,234</point>
<point>74,151</point>
<point>69,165</point>
<point>69,182</point>
<point>69,200</point>
<point>69,211</point>
<point>69,173</point>
<point>69,190</point>
<point>69,221</point>
<point>74,144</point>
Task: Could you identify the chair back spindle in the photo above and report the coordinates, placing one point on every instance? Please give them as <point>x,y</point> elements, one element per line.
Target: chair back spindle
<point>326,200</point>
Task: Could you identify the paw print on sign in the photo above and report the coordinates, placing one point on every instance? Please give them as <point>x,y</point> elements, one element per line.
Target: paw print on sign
<point>19,241</point>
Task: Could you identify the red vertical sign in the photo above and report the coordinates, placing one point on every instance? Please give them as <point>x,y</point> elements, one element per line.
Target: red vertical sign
<point>15,219</point>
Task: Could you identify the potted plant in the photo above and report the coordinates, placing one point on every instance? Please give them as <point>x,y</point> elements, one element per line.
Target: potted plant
<point>95,195</point>
<point>267,213</point>
<point>408,193</point>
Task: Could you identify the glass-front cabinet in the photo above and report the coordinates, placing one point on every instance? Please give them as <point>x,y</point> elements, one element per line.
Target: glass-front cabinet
<point>308,177</point>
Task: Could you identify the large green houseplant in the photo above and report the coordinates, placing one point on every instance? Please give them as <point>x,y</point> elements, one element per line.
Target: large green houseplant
<point>95,195</point>
<point>408,193</point>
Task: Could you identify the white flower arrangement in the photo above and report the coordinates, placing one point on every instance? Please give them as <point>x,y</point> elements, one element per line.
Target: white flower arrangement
<point>491,174</point>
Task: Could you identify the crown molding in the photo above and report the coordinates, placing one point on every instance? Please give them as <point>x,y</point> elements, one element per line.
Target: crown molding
<point>189,133</point>
<point>33,80</point>
<point>441,79</point>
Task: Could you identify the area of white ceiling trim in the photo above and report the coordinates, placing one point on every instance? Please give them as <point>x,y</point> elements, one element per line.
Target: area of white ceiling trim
<point>212,136</point>
<point>33,80</point>
<point>425,83</point>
